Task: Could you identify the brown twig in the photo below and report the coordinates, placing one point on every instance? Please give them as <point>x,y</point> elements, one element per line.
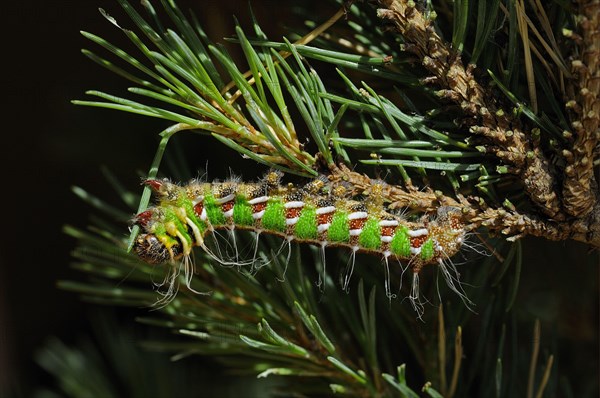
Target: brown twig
<point>579,188</point>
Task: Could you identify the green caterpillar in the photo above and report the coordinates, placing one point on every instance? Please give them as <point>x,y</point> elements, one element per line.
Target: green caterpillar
<point>317,213</point>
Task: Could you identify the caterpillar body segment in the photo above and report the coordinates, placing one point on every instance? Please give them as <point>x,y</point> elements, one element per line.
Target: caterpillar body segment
<point>316,213</point>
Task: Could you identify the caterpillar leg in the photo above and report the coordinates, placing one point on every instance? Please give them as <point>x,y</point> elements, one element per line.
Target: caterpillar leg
<point>218,256</point>
<point>232,239</point>
<point>347,275</point>
<point>480,245</point>
<point>287,242</point>
<point>404,269</point>
<point>387,283</point>
<point>255,253</point>
<point>170,281</point>
<point>415,298</point>
<point>452,278</point>
<point>188,273</point>
<point>323,274</point>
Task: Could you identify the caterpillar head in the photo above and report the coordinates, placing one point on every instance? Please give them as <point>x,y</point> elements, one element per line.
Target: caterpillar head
<point>150,249</point>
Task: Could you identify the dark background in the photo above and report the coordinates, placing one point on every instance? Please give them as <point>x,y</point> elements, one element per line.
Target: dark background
<point>50,145</point>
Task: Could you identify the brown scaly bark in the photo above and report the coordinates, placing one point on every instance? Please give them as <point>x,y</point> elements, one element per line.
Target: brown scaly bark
<point>572,212</point>
<point>580,188</point>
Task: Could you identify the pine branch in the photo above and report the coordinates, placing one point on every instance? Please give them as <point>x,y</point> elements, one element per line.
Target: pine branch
<point>580,187</point>
<point>503,135</point>
<point>485,118</point>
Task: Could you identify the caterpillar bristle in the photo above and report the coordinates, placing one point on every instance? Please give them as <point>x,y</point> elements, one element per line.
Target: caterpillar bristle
<point>319,212</point>
<point>272,179</point>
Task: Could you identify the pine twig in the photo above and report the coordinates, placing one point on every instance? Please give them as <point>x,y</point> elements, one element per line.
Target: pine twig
<point>579,188</point>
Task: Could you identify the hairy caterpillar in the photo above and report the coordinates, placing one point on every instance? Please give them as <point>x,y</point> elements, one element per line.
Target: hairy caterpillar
<point>319,213</point>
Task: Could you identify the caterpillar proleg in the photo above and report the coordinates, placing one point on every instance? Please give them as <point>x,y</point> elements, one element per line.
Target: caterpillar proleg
<point>316,213</point>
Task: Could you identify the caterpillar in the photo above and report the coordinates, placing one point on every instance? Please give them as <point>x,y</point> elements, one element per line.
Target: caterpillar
<point>319,213</point>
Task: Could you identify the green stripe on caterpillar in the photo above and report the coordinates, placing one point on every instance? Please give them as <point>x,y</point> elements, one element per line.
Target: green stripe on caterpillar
<point>318,213</point>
